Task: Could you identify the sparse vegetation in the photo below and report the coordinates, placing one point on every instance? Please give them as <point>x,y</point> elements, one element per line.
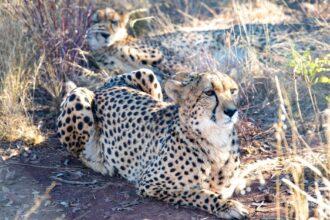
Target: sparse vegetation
<point>308,68</point>
<point>286,120</point>
<point>18,72</point>
<point>42,42</point>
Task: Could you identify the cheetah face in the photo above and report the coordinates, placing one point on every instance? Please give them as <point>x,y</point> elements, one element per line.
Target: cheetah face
<point>108,28</point>
<point>207,102</point>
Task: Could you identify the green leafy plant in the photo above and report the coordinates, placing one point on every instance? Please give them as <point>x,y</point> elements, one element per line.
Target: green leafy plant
<point>305,66</point>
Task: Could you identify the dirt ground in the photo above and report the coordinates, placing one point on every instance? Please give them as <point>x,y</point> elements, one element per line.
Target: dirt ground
<point>79,193</point>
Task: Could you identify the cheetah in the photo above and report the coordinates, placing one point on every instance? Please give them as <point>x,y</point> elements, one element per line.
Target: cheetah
<point>183,152</point>
<point>115,50</point>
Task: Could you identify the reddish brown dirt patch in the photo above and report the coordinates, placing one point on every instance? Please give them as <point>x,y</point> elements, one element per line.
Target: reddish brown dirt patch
<point>107,198</point>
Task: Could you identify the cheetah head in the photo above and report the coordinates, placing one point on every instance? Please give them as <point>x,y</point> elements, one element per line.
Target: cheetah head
<point>108,27</point>
<point>208,104</point>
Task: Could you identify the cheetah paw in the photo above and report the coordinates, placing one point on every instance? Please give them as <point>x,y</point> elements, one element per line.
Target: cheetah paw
<point>232,210</point>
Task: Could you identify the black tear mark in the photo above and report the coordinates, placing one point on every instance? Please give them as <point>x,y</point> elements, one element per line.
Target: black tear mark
<point>213,118</point>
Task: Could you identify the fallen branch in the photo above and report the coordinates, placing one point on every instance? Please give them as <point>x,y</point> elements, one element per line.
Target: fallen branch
<point>40,166</point>
<point>124,206</point>
<point>106,186</point>
<point>39,200</point>
<point>72,181</point>
<point>82,215</point>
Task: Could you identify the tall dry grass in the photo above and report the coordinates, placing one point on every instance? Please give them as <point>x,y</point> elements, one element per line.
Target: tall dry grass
<point>18,73</point>
<point>42,42</point>
<point>58,30</point>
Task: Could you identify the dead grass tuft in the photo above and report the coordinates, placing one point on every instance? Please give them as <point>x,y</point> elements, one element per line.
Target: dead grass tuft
<point>58,30</point>
<point>17,74</point>
<point>41,42</point>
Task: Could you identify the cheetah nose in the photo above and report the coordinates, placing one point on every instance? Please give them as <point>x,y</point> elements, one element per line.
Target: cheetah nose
<point>105,35</point>
<point>230,112</point>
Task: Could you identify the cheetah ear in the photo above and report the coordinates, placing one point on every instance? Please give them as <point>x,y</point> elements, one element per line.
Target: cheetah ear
<point>175,90</point>
<point>67,87</point>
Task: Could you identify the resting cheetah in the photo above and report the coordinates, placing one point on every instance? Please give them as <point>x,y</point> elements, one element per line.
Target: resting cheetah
<point>117,51</point>
<point>184,152</point>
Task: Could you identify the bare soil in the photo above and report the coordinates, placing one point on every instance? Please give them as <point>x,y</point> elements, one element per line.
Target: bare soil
<point>80,193</point>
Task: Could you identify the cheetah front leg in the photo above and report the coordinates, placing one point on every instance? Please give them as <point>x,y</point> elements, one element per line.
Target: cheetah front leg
<point>204,199</point>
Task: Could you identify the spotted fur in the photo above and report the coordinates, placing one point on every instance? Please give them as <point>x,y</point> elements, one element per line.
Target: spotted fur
<point>116,51</point>
<point>76,121</point>
<point>184,152</point>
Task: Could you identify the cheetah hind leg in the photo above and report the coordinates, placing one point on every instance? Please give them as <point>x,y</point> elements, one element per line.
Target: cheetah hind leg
<point>77,129</point>
<point>75,121</point>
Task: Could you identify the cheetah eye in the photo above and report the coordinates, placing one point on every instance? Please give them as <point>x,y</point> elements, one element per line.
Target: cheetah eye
<point>209,92</point>
<point>233,91</point>
<point>114,22</point>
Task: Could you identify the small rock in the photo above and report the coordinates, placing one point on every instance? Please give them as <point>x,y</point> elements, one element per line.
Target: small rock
<point>47,203</point>
<point>260,188</point>
<point>269,198</point>
<point>5,189</point>
<point>34,157</point>
<point>76,209</point>
<point>10,175</point>
<point>66,162</point>
<point>9,204</point>
<point>65,204</point>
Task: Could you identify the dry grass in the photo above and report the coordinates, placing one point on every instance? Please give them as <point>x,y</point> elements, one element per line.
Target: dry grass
<point>58,30</point>
<point>305,174</point>
<point>42,41</point>
<point>17,77</point>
